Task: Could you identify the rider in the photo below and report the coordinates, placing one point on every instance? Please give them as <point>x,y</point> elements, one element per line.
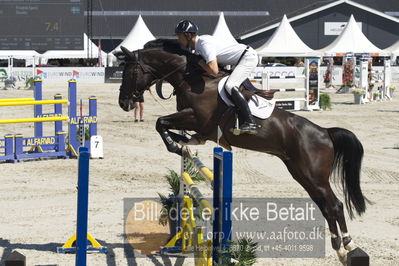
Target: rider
<point>215,52</point>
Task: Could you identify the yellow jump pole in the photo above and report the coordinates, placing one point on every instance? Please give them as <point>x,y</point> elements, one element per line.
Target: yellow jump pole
<point>196,193</point>
<point>16,99</point>
<point>37,119</point>
<point>203,170</point>
<point>33,102</point>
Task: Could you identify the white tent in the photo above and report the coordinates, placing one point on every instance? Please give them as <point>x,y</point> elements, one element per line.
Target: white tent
<point>222,31</point>
<point>393,50</point>
<point>30,56</point>
<point>351,40</point>
<point>285,42</point>
<point>88,52</point>
<point>137,37</point>
<point>19,54</point>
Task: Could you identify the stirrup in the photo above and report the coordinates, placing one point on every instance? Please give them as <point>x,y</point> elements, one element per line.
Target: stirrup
<point>245,128</point>
<point>239,131</point>
<point>248,128</point>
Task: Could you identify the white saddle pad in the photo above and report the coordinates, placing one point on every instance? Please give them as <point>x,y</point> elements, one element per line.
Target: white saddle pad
<point>259,106</point>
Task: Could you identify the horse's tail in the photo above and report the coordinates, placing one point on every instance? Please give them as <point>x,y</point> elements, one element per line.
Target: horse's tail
<point>348,154</point>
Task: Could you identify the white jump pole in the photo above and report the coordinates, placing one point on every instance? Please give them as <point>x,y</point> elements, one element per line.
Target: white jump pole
<point>387,79</point>
<point>364,82</point>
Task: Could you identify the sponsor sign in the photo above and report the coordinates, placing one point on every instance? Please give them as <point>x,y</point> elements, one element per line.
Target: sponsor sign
<point>285,105</point>
<point>20,74</point>
<point>56,74</point>
<point>335,28</point>
<point>63,74</point>
<point>86,120</point>
<point>289,71</point>
<point>39,141</point>
<point>313,67</point>
<point>113,74</point>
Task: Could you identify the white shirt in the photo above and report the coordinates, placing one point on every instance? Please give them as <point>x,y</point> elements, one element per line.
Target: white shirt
<point>211,48</point>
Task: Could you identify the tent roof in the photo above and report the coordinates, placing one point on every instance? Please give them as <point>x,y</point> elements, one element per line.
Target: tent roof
<point>222,31</point>
<point>393,49</point>
<point>285,42</point>
<point>93,51</point>
<point>351,40</point>
<point>137,37</point>
<point>301,10</point>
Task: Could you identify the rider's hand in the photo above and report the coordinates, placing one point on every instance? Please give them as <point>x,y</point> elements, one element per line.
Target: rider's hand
<point>195,59</point>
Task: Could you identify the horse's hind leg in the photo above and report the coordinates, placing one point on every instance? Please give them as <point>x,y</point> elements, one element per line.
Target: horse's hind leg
<point>315,180</point>
<point>346,239</point>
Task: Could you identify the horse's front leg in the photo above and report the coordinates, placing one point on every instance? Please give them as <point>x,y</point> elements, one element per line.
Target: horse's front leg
<point>182,120</point>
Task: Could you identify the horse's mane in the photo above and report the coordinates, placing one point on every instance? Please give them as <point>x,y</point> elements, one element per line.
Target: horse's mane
<point>162,43</point>
<point>168,45</point>
<point>173,46</point>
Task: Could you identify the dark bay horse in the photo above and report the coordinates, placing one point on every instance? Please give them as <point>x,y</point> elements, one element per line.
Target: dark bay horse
<point>310,152</point>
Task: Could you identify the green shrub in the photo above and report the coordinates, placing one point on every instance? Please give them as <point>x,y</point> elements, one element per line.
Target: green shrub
<point>325,101</point>
<point>79,134</point>
<point>359,91</point>
<point>29,82</point>
<point>242,251</point>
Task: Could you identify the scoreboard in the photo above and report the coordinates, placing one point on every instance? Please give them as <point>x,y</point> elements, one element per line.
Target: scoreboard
<point>41,25</point>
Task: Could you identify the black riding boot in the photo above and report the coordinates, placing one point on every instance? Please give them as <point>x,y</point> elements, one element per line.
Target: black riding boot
<point>249,125</point>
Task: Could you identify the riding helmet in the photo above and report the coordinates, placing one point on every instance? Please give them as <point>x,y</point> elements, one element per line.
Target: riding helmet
<point>186,26</point>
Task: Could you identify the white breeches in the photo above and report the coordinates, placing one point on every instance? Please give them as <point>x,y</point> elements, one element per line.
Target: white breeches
<point>242,70</point>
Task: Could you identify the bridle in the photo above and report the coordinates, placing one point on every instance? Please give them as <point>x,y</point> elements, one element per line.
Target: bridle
<point>145,69</point>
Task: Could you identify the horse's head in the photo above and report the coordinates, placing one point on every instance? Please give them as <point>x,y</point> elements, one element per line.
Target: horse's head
<point>137,77</point>
<point>160,59</point>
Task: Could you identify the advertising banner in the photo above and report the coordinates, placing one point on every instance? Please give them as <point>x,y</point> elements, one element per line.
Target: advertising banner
<point>113,74</point>
<point>56,74</point>
<point>63,74</point>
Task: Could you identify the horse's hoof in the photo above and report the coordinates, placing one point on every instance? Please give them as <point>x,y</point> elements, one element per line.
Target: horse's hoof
<point>175,149</point>
<point>350,246</point>
<point>178,151</point>
<point>342,255</point>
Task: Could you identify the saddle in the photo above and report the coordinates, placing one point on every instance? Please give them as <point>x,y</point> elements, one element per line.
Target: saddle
<point>249,90</point>
<point>246,87</point>
<point>260,102</point>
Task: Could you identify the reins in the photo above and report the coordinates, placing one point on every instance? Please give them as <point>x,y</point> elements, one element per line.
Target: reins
<point>157,79</point>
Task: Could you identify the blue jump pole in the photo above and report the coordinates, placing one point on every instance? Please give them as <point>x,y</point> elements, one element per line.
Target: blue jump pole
<point>58,132</point>
<point>227,198</point>
<point>38,109</point>
<point>217,168</point>
<point>72,98</point>
<point>92,115</point>
<point>222,200</point>
<point>57,112</point>
<point>8,148</point>
<point>83,203</point>
<point>82,241</point>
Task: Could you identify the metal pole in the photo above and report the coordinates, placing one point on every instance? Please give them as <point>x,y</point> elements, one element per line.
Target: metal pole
<point>83,201</point>
<point>217,168</point>
<point>38,109</point>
